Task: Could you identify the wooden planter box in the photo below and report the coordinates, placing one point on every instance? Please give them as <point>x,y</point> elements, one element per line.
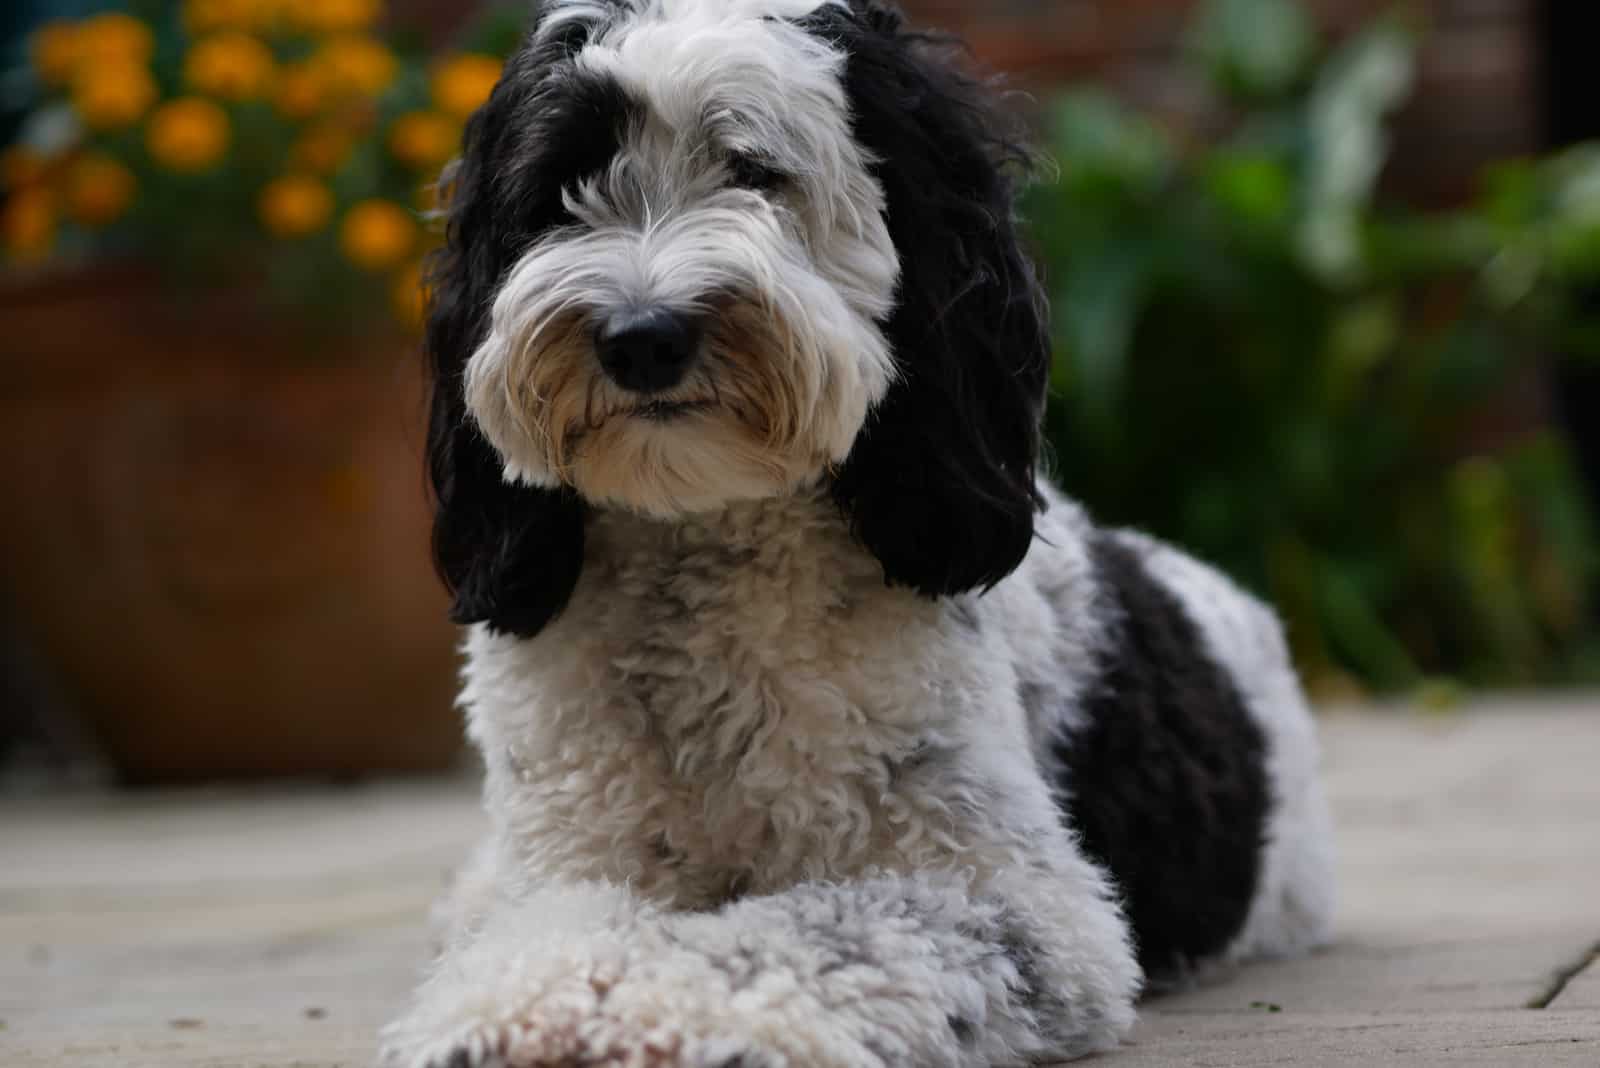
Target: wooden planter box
<point>217,542</point>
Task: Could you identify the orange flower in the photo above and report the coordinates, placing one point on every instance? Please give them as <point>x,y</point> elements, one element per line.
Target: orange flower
<point>188,135</point>
<point>55,49</point>
<point>112,95</point>
<point>204,16</point>
<point>410,296</point>
<point>463,83</point>
<point>423,139</point>
<point>377,234</point>
<point>99,189</point>
<point>28,223</point>
<point>295,206</point>
<point>114,38</point>
<point>333,16</point>
<point>232,65</point>
<point>61,49</point>
<point>357,65</point>
<point>302,90</point>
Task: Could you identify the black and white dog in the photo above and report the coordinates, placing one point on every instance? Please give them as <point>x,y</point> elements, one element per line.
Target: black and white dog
<point>818,730</point>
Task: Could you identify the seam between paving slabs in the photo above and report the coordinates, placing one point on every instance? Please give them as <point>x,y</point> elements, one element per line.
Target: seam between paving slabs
<point>1563,977</point>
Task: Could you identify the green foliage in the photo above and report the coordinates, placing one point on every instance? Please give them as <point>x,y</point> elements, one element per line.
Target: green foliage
<point>1255,360</point>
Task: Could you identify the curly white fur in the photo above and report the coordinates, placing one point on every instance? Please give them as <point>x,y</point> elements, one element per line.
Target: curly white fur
<point>749,802</point>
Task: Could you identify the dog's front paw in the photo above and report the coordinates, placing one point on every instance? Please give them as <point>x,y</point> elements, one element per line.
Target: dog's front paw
<point>538,1043</point>
<point>571,1021</point>
<point>533,1018</point>
<point>528,1045</point>
<point>513,1044</point>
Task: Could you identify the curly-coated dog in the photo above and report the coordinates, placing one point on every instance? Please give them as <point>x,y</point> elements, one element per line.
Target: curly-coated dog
<point>818,729</point>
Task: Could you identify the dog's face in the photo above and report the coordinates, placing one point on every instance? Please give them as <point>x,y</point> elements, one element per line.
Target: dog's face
<point>694,314</point>
<point>710,250</point>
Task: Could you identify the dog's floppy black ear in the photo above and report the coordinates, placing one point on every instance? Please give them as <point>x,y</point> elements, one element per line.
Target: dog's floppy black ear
<point>940,483</point>
<point>509,554</point>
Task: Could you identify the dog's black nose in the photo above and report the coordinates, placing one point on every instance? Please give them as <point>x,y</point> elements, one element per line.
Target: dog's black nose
<point>648,351</point>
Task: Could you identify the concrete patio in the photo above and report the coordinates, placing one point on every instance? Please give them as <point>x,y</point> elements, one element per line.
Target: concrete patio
<point>280,930</point>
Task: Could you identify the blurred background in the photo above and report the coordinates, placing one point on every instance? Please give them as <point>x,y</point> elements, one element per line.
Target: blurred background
<point>1326,287</point>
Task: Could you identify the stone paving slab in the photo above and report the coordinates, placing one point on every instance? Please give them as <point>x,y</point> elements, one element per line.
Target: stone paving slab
<point>1469,887</point>
<point>278,930</point>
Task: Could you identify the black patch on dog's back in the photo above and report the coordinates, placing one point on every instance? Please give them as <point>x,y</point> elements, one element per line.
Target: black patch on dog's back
<point>1166,782</point>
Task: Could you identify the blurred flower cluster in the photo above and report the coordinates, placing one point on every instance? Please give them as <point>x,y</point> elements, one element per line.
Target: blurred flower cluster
<point>294,143</point>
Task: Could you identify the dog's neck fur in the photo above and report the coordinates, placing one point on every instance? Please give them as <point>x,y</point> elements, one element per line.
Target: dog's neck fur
<point>735,662</point>
<point>773,547</point>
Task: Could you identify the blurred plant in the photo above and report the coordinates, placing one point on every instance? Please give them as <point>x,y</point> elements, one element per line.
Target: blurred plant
<point>1255,360</point>
<point>288,142</point>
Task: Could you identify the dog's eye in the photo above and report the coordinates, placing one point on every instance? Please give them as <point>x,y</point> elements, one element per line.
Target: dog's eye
<point>752,172</point>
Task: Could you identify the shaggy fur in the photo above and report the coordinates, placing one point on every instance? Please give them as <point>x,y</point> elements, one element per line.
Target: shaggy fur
<point>818,729</point>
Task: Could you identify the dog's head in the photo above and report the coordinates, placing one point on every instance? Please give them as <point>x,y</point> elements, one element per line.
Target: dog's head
<point>702,251</point>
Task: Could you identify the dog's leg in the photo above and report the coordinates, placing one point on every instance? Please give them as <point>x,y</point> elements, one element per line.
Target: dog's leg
<point>517,978</point>
<point>927,971</point>
<point>923,971</point>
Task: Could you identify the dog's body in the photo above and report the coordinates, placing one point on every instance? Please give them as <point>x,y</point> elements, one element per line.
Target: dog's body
<point>751,803</point>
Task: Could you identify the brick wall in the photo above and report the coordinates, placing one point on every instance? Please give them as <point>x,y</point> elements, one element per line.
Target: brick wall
<point>1477,96</point>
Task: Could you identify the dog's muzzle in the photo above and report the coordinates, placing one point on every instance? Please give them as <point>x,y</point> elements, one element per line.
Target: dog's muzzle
<point>648,351</point>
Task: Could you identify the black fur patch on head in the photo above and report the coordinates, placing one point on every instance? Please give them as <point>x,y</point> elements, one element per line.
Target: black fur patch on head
<point>1166,781</point>
<point>510,555</point>
<point>940,484</point>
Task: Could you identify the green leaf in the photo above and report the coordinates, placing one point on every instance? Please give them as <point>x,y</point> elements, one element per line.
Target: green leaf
<point>1360,337</point>
<point>1096,307</point>
<point>1254,187</point>
<point>1362,84</point>
<point>1094,137</point>
<point>1357,632</point>
<point>1254,48</point>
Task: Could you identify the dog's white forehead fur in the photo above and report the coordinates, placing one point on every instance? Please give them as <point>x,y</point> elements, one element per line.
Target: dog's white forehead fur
<point>811,267</point>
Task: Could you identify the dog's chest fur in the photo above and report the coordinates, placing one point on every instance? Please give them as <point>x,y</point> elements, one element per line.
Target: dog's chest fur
<point>735,704</point>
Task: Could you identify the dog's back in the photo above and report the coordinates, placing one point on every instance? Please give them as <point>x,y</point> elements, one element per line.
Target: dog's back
<point>1188,765</point>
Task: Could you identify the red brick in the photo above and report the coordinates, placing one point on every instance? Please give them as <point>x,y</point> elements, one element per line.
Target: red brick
<point>1476,97</point>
